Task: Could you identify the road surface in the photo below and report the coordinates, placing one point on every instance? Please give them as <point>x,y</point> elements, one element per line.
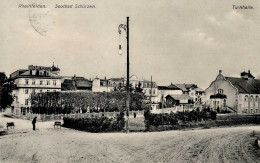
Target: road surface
<point>46,144</point>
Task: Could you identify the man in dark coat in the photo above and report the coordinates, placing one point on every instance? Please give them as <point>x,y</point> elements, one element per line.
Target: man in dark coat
<point>33,122</point>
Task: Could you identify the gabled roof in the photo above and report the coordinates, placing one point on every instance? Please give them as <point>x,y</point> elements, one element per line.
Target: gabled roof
<point>171,87</point>
<point>180,97</point>
<point>250,86</point>
<point>185,87</point>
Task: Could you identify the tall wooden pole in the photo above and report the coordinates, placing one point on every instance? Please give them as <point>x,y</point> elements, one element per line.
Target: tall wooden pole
<point>151,92</point>
<point>127,82</point>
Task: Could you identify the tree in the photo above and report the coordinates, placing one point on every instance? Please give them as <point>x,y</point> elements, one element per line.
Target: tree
<point>138,89</point>
<point>6,87</point>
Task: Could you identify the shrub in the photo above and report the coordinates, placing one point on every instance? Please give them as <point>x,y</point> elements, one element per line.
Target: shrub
<point>96,124</point>
<point>173,118</point>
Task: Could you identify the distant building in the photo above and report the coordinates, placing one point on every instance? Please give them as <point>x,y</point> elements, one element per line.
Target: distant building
<point>193,91</point>
<point>76,84</point>
<point>116,84</point>
<point>238,94</point>
<point>163,91</point>
<point>181,102</point>
<point>35,79</point>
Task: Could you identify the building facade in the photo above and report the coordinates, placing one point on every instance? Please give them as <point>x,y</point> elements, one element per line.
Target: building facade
<point>196,93</point>
<point>35,79</point>
<point>236,94</point>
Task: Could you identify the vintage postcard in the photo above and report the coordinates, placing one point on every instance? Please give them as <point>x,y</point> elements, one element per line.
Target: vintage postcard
<point>129,81</point>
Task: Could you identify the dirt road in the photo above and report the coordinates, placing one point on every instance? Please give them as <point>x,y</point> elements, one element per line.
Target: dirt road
<point>65,145</point>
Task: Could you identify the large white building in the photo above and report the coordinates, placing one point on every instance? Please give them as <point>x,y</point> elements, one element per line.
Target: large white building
<point>240,94</point>
<point>35,79</point>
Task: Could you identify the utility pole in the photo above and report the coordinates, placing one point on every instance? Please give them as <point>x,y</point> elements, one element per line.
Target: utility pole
<point>127,82</point>
<point>151,92</point>
<point>126,28</point>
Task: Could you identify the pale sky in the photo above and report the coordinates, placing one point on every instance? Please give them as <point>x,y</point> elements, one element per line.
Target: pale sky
<point>174,41</point>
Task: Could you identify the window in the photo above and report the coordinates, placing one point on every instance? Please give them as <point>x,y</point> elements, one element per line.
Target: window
<point>252,98</point>
<point>154,91</point>
<point>48,82</point>
<point>40,91</point>
<point>33,82</point>
<point>26,101</point>
<point>26,91</point>
<point>26,81</point>
<point>246,98</point>
<point>256,99</point>
<point>41,82</point>
<point>54,82</point>
<point>224,102</point>
<point>220,91</point>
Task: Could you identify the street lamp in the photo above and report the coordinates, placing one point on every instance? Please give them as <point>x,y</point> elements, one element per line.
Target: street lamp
<point>126,28</point>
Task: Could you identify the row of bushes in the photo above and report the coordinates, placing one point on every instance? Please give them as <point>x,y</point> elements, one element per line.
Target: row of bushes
<point>174,118</point>
<point>96,124</point>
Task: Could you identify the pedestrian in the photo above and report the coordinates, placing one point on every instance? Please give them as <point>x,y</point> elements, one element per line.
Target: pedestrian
<point>33,122</point>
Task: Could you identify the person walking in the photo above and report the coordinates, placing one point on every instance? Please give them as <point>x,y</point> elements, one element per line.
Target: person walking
<point>33,122</point>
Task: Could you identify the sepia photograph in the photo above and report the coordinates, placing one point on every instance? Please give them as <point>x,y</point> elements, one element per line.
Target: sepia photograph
<point>129,81</point>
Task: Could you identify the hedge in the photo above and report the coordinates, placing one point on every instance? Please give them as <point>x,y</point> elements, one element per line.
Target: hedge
<point>96,124</point>
<point>174,118</point>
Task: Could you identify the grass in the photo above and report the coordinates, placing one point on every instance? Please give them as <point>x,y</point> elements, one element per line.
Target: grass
<point>136,124</point>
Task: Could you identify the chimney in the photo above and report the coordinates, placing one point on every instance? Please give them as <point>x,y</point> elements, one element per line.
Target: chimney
<point>105,78</point>
<point>220,71</point>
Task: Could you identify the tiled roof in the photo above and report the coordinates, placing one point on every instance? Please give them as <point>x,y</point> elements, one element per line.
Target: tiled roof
<point>250,86</point>
<point>180,97</point>
<point>185,87</point>
<point>67,85</point>
<point>171,87</point>
<point>83,83</point>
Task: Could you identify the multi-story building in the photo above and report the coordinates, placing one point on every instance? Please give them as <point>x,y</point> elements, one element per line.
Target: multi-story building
<point>238,94</point>
<point>35,79</point>
<point>163,91</point>
<point>113,84</point>
<point>196,93</point>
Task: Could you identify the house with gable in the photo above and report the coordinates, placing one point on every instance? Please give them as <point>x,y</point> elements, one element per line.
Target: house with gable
<point>238,94</point>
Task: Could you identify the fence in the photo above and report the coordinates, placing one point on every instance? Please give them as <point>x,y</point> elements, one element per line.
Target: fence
<point>45,117</point>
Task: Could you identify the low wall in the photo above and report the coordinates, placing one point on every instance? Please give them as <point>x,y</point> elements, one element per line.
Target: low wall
<point>45,117</point>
